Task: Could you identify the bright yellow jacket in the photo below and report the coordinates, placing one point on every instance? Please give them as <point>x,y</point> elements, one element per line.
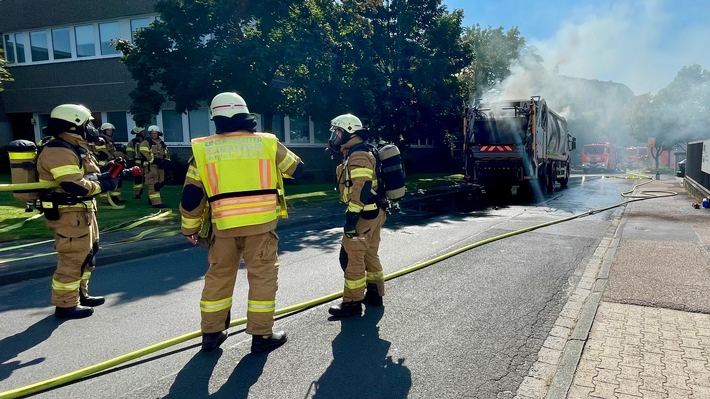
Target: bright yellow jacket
<point>241,179</point>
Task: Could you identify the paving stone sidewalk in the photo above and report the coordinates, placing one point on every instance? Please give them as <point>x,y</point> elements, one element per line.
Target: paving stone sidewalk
<point>651,334</point>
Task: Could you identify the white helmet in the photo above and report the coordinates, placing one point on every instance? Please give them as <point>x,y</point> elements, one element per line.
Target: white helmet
<point>75,114</point>
<point>137,130</point>
<point>153,128</point>
<point>228,104</point>
<point>107,126</point>
<point>348,122</point>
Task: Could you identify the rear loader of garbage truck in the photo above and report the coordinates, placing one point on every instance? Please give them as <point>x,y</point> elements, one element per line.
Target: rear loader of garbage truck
<point>519,143</point>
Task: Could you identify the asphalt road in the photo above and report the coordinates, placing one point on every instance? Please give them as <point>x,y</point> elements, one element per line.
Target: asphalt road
<point>469,326</point>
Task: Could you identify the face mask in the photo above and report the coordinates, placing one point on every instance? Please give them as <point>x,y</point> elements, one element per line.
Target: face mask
<point>90,133</point>
<point>335,140</point>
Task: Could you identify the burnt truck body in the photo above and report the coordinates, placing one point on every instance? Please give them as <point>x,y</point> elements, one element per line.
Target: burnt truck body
<point>516,143</point>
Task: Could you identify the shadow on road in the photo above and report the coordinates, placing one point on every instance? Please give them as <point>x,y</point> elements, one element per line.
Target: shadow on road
<point>245,375</point>
<point>193,380</point>
<point>13,345</point>
<point>361,367</point>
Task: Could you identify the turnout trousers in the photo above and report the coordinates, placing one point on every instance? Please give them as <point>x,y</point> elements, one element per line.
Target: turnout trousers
<point>262,264</point>
<point>359,258</point>
<point>76,240</point>
<point>154,178</point>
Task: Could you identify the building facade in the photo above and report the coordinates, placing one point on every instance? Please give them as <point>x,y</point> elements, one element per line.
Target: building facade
<point>61,52</point>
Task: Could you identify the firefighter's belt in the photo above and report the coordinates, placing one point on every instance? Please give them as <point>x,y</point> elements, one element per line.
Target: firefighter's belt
<point>63,200</point>
<point>242,194</point>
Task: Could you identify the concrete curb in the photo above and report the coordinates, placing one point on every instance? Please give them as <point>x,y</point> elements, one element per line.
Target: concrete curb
<point>572,353</point>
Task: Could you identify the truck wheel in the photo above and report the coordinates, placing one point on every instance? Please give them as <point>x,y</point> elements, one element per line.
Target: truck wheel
<point>565,180</point>
<point>551,172</point>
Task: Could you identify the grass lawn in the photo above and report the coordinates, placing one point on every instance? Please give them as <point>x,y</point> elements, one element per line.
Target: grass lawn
<point>12,211</point>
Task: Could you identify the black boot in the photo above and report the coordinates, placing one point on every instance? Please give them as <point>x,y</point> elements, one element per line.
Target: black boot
<point>212,341</point>
<point>161,206</point>
<point>91,301</point>
<point>75,312</point>
<point>263,343</point>
<point>118,201</point>
<point>372,296</point>
<point>346,309</point>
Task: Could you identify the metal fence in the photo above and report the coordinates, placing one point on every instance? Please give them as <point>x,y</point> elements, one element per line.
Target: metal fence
<point>693,164</point>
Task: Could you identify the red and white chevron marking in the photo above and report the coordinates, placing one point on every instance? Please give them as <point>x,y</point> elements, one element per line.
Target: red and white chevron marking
<point>497,148</point>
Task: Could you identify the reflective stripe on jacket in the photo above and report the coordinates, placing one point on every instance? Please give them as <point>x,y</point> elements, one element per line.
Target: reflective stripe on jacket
<point>241,178</point>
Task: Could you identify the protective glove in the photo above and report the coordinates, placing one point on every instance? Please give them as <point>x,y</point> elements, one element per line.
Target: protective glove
<point>134,171</point>
<point>107,183</point>
<point>351,219</point>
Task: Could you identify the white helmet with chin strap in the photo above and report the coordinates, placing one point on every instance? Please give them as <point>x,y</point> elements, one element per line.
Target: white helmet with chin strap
<point>107,125</point>
<point>154,129</point>
<point>348,122</point>
<point>350,125</point>
<point>228,104</point>
<point>72,118</point>
<point>75,114</point>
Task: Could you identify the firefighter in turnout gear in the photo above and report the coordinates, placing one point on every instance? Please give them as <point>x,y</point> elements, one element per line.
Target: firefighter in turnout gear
<point>156,160</point>
<point>237,175</point>
<point>70,209</point>
<point>133,155</point>
<point>364,217</point>
<point>106,152</point>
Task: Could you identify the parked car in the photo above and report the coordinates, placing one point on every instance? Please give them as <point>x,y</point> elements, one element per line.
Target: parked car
<point>681,169</point>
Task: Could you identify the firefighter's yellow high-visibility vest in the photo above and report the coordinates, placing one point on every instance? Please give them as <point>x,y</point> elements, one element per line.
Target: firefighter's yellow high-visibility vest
<point>237,195</point>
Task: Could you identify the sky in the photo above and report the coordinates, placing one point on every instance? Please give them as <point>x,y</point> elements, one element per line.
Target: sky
<point>640,43</point>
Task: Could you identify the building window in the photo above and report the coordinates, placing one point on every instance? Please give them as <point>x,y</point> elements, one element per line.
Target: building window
<point>108,32</point>
<point>172,126</point>
<point>20,47</point>
<point>43,120</point>
<point>61,44</point>
<point>39,46</point>
<point>199,121</point>
<point>137,24</point>
<point>321,132</point>
<point>85,42</point>
<point>277,126</point>
<point>118,119</point>
<point>299,133</point>
<point>10,48</point>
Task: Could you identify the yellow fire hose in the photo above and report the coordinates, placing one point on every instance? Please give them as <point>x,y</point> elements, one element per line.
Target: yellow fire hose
<point>119,227</point>
<point>81,373</point>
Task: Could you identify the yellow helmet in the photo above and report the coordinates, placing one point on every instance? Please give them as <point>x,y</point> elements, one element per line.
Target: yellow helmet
<point>107,125</point>
<point>228,104</point>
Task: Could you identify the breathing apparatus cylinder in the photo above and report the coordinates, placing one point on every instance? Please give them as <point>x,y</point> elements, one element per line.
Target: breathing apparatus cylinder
<point>23,168</point>
<point>392,171</point>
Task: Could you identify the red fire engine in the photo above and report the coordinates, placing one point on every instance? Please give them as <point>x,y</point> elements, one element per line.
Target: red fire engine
<point>600,156</point>
<point>635,157</point>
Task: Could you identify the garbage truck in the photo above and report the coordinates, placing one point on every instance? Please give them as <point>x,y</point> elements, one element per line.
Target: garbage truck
<point>516,143</point>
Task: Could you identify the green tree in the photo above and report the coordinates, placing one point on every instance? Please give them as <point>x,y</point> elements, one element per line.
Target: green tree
<point>493,52</point>
<point>393,63</point>
<point>4,73</point>
<point>263,50</point>
<point>406,64</point>
<point>679,113</point>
